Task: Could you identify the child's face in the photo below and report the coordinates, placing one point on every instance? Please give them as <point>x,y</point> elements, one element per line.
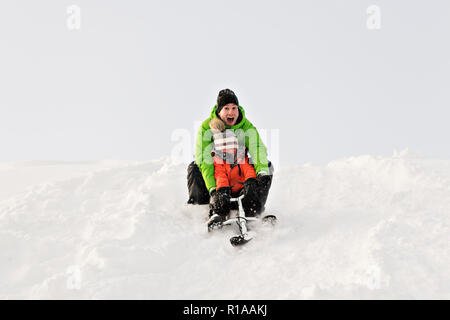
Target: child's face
<point>229,114</point>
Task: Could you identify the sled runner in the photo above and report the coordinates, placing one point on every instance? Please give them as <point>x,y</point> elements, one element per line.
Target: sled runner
<point>244,236</point>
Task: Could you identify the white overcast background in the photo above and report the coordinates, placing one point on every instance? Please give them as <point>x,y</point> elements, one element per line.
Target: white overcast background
<point>136,71</point>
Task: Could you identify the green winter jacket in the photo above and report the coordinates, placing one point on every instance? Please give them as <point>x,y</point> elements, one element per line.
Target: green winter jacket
<point>243,130</point>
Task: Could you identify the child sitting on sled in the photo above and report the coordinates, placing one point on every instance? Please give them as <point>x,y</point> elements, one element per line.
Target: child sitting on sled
<point>233,173</point>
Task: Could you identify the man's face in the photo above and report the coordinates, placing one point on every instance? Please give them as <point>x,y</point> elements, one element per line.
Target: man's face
<point>229,114</point>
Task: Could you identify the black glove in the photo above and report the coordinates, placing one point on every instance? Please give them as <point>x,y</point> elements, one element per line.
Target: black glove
<point>220,201</point>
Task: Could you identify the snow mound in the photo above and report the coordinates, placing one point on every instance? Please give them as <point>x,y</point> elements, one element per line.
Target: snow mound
<point>357,228</point>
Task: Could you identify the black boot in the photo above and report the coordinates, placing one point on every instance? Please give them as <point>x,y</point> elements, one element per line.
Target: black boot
<point>252,199</point>
<point>198,194</point>
<point>215,221</point>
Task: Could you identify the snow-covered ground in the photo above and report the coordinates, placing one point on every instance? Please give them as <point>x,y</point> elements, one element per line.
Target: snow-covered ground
<point>357,228</point>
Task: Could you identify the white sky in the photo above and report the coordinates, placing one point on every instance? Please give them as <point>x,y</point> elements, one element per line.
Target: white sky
<point>138,70</point>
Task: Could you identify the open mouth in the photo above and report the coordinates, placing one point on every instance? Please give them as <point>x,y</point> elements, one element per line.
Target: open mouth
<point>230,120</point>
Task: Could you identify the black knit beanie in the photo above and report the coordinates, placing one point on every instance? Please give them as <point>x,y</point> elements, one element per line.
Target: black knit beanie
<point>225,97</point>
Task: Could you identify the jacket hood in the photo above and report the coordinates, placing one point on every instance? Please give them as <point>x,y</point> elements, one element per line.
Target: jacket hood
<point>217,124</point>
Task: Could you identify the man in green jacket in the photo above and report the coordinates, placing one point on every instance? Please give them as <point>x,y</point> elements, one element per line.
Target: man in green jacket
<point>201,180</point>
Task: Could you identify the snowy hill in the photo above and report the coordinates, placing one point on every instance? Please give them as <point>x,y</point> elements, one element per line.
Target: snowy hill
<point>362,227</point>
